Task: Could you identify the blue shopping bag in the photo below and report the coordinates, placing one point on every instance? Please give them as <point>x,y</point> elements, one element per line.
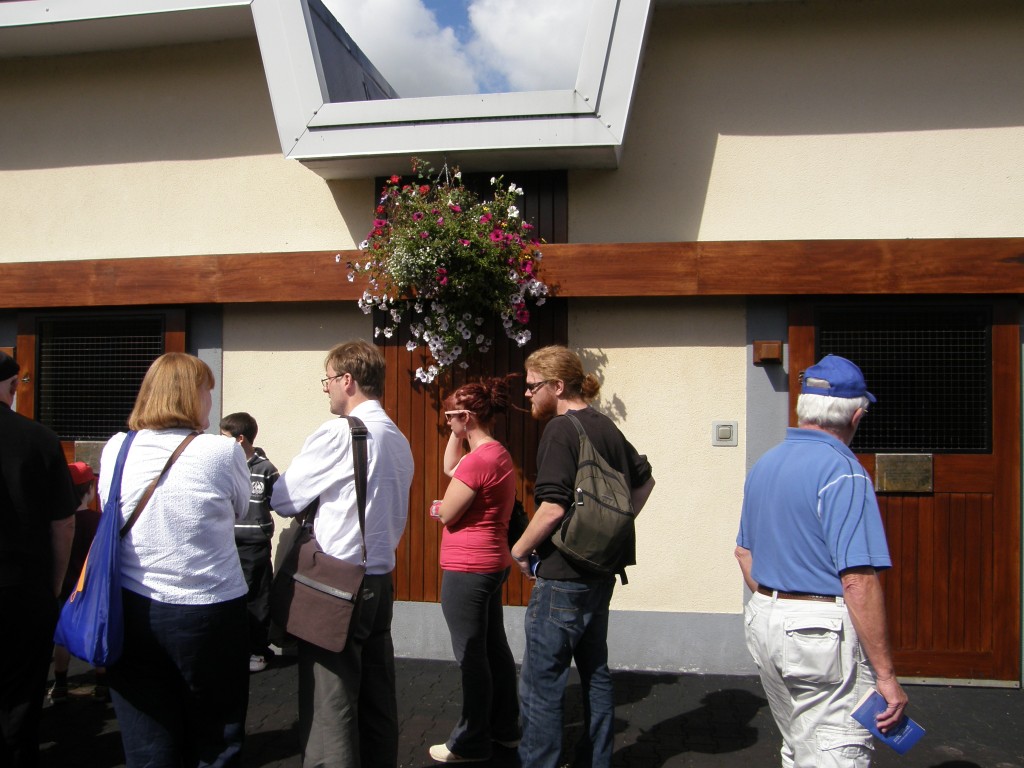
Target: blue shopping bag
<point>91,624</point>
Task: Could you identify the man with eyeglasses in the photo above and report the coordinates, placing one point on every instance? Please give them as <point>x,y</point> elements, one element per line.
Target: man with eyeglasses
<point>810,544</point>
<point>348,713</point>
<point>556,385</point>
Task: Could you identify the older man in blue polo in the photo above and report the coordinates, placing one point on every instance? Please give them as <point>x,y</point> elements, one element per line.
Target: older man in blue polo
<point>810,546</point>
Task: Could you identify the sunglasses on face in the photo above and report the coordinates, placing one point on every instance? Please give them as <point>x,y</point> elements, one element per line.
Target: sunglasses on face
<point>449,415</point>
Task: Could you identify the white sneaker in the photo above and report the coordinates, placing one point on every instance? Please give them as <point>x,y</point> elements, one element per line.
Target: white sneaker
<point>257,663</point>
<point>442,754</point>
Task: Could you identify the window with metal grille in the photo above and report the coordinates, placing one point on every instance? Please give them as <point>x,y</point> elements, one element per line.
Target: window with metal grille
<point>90,369</point>
<point>930,368</point>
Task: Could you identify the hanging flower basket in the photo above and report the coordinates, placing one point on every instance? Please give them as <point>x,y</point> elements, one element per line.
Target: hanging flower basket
<point>446,262</point>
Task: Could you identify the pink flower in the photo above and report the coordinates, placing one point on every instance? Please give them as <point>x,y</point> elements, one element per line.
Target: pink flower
<point>424,235</point>
<point>454,208</point>
<point>485,218</point>
<point>528,267</point>
<point>523,316</point>
<point>496,236</point>
<point>417,215</point>
<point>440,221</point>
<point>378,223</point>
<point>464,242</point>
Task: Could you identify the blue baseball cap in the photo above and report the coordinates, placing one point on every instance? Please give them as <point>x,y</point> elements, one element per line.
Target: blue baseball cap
<point>842,379</point>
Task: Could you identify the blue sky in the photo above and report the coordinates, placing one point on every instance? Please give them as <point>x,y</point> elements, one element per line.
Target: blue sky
<point>451,13</point>
<point>443,47</point>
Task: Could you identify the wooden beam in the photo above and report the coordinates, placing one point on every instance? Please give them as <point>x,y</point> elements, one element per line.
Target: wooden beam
<point>728,268</point>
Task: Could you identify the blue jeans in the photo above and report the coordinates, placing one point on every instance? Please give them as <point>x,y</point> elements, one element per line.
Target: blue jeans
<point>471,603</point>
<point>181,688</point>
<point>566,620</point>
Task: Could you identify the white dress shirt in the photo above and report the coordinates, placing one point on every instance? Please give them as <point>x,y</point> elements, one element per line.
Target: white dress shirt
<point>324,470</point>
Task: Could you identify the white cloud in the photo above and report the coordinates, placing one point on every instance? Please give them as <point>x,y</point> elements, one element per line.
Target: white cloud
<point>404,42</point>
<point>521,45</point>
<point>534,45</point>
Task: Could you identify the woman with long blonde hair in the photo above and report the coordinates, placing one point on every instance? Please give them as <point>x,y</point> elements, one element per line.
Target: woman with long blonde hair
<point>180,689</point>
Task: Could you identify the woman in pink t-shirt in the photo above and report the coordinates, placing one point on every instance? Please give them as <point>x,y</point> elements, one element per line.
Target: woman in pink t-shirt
<point>475,559</point>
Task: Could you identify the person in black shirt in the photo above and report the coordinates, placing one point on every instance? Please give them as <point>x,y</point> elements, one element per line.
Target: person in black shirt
<point>568,613</point>
<point>37,517</point>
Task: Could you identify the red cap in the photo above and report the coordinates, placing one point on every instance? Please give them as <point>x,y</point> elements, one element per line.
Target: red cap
<point>81,473</point>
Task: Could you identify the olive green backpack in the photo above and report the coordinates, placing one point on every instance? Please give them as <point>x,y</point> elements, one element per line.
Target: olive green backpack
<point>601,520</point>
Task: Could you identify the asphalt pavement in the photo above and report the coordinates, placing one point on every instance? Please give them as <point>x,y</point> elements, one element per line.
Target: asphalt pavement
<point>661,720</point>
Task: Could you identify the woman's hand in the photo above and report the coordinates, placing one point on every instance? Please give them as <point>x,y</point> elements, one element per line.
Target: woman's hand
<point>457,499</point>
<point>456,448</point>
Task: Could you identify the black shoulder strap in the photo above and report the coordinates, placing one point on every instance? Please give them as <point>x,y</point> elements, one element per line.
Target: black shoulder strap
<point>576,423</point>
<point>359,434</point>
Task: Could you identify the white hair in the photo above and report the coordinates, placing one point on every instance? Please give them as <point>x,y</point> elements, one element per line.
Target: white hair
<point>827,412</point>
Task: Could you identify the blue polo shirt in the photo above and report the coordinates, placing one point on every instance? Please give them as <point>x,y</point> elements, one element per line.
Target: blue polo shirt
<point>809,513</point>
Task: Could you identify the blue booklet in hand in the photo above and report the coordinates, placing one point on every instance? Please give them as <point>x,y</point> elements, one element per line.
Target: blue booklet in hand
<point>901,737</point>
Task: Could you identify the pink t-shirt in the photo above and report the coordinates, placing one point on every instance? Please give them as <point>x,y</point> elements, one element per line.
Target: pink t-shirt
<point>478,541</point>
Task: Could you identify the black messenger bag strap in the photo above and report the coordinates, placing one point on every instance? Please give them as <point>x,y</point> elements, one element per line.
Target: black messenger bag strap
<point>359,435</point>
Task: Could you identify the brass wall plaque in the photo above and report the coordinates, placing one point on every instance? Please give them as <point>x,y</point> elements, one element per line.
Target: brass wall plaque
<point>903,473</point>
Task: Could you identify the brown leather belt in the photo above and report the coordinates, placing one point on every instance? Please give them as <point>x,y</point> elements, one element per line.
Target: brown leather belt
<point>796,595</point>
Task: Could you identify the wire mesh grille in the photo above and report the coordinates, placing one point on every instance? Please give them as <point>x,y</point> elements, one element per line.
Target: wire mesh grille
<point>931,373</point>
<point>90,371</point>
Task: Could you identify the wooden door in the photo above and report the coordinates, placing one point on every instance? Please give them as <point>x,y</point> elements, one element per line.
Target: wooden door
<point>953,593</point>
<point>416,409</point>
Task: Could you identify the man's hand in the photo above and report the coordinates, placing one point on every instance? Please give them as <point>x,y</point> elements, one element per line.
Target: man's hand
<point>896,698</point>
<point>524,566</point>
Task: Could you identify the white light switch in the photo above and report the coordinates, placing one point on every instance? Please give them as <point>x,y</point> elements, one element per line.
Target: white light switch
<point>724,433</point>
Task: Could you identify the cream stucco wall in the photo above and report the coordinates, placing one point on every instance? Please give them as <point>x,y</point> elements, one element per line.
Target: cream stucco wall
<point>813,120</point>
<point>161,152</point>
<point>668,369</point>
<point>273,363</point>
